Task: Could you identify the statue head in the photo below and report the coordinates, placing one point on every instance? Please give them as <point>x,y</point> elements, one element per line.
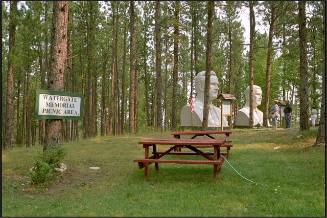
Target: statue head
<point>199,81</point>
<point>257,96</point>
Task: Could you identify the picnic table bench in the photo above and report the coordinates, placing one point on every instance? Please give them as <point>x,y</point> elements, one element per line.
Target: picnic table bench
<point>208,133</point>
<point>212,158</point>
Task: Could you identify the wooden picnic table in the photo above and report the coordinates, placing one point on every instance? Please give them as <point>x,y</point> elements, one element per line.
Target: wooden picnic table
<point>208,133</point>
<point>212,158</point>
<point>196,133</point>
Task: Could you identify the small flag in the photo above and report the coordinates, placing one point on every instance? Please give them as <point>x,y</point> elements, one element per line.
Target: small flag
<point>191,104</point>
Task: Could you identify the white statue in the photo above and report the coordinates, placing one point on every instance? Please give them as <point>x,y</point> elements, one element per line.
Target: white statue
<point>243,115</point>
<point>194,117</point>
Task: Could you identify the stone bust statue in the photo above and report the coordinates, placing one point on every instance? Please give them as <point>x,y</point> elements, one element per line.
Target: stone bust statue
<point>243,115</point>
<point>195,117</point>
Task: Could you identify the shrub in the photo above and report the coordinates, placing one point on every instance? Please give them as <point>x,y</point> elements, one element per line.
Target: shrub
<point>43,170</point>
<point>53,156</point>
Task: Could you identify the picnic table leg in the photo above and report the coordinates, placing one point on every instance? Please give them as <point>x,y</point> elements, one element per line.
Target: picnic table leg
<point>178,148</point>
<point>215,157</point>
<point>146,156</point>
<point>228,148</point>
<point>155,156</point>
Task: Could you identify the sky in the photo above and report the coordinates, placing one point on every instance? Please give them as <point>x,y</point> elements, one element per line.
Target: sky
<point>245,21</point>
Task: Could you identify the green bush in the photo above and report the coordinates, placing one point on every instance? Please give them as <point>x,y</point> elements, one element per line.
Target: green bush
<point>53,156</point>
<point>43,170</point>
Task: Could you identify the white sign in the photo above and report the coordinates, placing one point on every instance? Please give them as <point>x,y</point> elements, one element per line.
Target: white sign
<point>58,105</point>
<point>226,108</point>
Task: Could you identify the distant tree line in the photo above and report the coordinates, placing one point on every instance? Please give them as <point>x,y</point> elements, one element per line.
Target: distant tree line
<point>134,62</point>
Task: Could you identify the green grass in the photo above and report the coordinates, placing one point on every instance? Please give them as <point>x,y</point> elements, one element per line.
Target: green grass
<point>291,180</point>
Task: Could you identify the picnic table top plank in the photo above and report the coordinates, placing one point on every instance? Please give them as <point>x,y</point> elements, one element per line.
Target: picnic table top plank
<point>193,132</point>
<point>219,161</point>
<point>173,141</point>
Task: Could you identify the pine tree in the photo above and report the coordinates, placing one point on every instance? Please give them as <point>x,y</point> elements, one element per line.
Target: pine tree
<point>9,125</point>
<point>208,65</point>
<point>304,99</point>
<point>132,92</point>
<point>59,55</point>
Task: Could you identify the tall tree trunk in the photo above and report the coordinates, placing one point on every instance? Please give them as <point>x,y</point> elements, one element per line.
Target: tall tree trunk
<point>89,90</point>
<point>252,30</point>
<point>90,65</point>
<point>18,122</point>
<point>321,137</point>
<point>95,103</point>
<point>231,73</point>
<point>59,55</point>
<point>103,94</point>
<point>166,80</point>
<point>146,79</point>
<point>175,69</point>
<point>117,92</point>
<point>195,23</point>
<point>9,125</point>
<point>133,77</point>
<point>192,47</point>
<point>74,75</point>
<point>122,108</point>
<point>230,76</point>
<point>158,65</point>
<point>116,99</point>
<point>26,130</point>
<point>68,76</point>
<point>113,105</point>
<point>314,96</point>
<point>269,63</point>
<point>284,62</point>
<point>45,73</point>
<point>43,86</point>
<point>304,99</point>
<point>211,9</point>
<point>94,77</point>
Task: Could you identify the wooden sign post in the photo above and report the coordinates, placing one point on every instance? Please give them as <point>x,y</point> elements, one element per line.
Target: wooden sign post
<point>226,107</point>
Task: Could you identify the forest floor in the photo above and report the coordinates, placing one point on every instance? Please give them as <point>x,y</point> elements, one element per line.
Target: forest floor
<point>289,172</point>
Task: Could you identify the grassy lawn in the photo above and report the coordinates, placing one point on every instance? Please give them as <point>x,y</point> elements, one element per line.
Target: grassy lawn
<point>291,180</point>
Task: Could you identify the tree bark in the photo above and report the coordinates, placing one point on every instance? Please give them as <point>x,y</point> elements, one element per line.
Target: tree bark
<point>321,137</point>
<point>208,65</point>
<point>114,78</point>
<point>90,91</point>
<point>18,117</point>
<point>314,84</point>
<point>252,30</point>
<point>158,65</point>
<point>132,96</point>
<point>103,94</point>
<point>9,125</point>
<point>146,78</point>
<point>166,79</point>
<point>304,101</point>
<point>26,119</point>
<point>122,109</point>
<point>195,18</point>
<point>59,55</point>
<point>269,64</point>
<point>46,71</point>
<point>192,47</point>
<point>175,69</point>
<point>284,63</point>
